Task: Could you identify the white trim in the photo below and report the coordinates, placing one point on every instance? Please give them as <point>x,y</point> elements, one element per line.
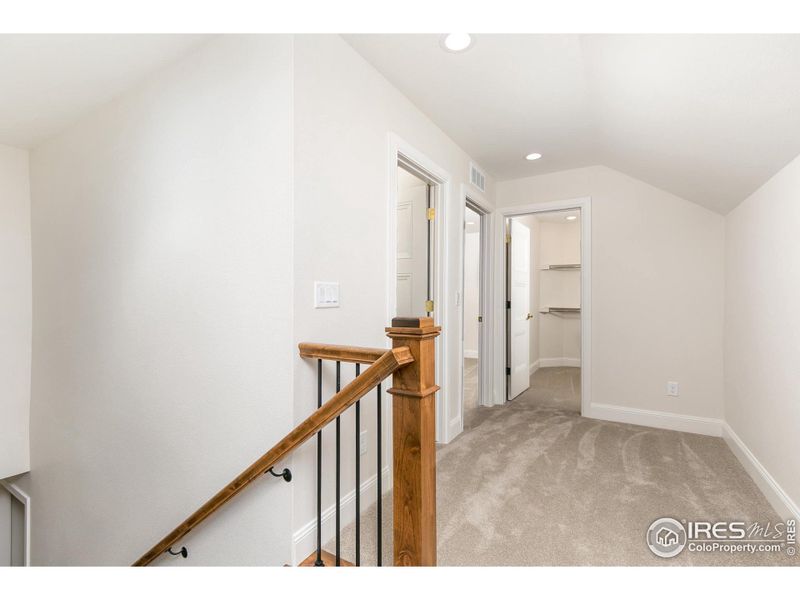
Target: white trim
<point>561,361</point>
<point>775,494</point>
<point>402,151</point>
<point>657,419</point>
<point>486,337</point>
<point>304,540</point>
<point>25,499</point>
<point>585,206</point>
<point>471,194</point>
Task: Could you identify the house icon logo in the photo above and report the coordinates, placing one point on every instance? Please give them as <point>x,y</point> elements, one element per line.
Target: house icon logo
<point>666,537</point>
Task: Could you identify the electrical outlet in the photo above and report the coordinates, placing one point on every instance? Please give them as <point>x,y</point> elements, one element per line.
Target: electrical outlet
<point>672,388</point>
<point>362,442</point>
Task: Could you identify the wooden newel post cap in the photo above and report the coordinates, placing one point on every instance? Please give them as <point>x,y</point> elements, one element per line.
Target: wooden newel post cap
<point>418,379</point>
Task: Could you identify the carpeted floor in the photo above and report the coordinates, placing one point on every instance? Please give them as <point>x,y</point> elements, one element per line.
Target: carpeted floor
<point>534,483</point>
<point>470,392</point>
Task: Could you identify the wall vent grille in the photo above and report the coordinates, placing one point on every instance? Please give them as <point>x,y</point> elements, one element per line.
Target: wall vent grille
<point>477,178</point>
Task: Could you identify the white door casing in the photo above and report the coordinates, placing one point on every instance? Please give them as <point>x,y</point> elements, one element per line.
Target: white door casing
<point>403,153</point>
<point>500,291</point>
<point>520,312</point>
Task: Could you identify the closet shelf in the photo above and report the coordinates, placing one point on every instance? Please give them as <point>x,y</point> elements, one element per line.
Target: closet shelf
<point>559,309</point>
<point>565,267</point>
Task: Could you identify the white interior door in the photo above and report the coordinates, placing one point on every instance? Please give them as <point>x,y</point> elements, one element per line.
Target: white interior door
<point>520,312</point>
<point>413,246</point>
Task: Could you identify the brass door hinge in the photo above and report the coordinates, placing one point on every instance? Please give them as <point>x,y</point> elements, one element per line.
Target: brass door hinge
<point>428,305</point>
<point>480,319</point>
<point>431,214</point>
<point>508,238</point>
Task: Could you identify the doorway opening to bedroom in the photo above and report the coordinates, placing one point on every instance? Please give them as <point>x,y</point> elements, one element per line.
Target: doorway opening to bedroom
<point>473,293</point>
<point>543,308</point>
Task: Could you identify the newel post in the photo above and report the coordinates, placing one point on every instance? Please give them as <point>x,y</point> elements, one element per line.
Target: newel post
<point>414,442</point>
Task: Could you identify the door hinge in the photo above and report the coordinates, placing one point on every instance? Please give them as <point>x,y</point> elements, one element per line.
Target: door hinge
<point>508,303</point>
<point>428,305</point>
<point>431,213</point>
<point>508,370</point>
<point>508,238</point>
<point>480,319</point>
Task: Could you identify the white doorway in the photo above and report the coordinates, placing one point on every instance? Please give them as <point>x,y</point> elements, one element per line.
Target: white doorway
<point>404,160</point>
<point>14,526</point>
<point>547,304</point>
<point>415,242</point>
<point>474,296</point>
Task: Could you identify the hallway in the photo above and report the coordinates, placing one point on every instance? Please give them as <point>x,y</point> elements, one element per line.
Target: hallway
<point>534,483</point>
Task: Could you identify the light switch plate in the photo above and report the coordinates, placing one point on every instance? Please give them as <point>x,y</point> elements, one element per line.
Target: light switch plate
<point>326,294</point>
<point>672,388</point>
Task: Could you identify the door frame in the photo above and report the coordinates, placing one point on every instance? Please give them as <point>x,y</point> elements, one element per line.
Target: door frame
<point>401,152</point>
<point>25,500</point>
<point>584,204</point>
<point>471,196</point>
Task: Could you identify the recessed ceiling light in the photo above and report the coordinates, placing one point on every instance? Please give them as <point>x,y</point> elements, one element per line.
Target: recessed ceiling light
<point>533,156</point>
<point>456,42</point>
<point>571,218</point>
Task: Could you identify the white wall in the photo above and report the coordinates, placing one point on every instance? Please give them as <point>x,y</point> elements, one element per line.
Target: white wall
<point>162,339</point>
<point>15,311</point>
<point>344,113</point>
<point>657,291</point>
<point>762,328</point>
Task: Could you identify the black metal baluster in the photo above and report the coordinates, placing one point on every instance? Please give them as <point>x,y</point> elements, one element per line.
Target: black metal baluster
<point>338,469</point>
<point>358,475</point>
<point>318,562</point>
<point>380,477</point>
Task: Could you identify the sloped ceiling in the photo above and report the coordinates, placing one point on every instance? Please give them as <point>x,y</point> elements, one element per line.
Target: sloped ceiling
<point>707,117</point>
<point>49,81</point>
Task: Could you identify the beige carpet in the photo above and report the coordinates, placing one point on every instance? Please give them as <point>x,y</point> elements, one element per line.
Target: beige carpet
<point>470,392</point>
<point>534,483</point>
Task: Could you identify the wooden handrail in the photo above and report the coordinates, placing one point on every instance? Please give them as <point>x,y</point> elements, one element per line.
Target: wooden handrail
<point>352,354</point>
<point>388,362</point>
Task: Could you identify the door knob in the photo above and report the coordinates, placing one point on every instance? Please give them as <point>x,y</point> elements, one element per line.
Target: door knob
<point>529,317</point>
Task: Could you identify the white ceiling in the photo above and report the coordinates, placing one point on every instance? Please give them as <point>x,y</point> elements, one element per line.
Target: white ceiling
<point>48,81</point>
<point>706,117</point>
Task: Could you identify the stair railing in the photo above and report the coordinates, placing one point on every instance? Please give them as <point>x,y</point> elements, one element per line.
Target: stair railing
<point>411,363</point>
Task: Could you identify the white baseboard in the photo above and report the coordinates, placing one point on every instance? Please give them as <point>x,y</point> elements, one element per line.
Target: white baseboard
<point>304,540</point>
<point>471,354</point>
<point>777,497</point>
<point>562,361</point>
<point>658,419</point>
